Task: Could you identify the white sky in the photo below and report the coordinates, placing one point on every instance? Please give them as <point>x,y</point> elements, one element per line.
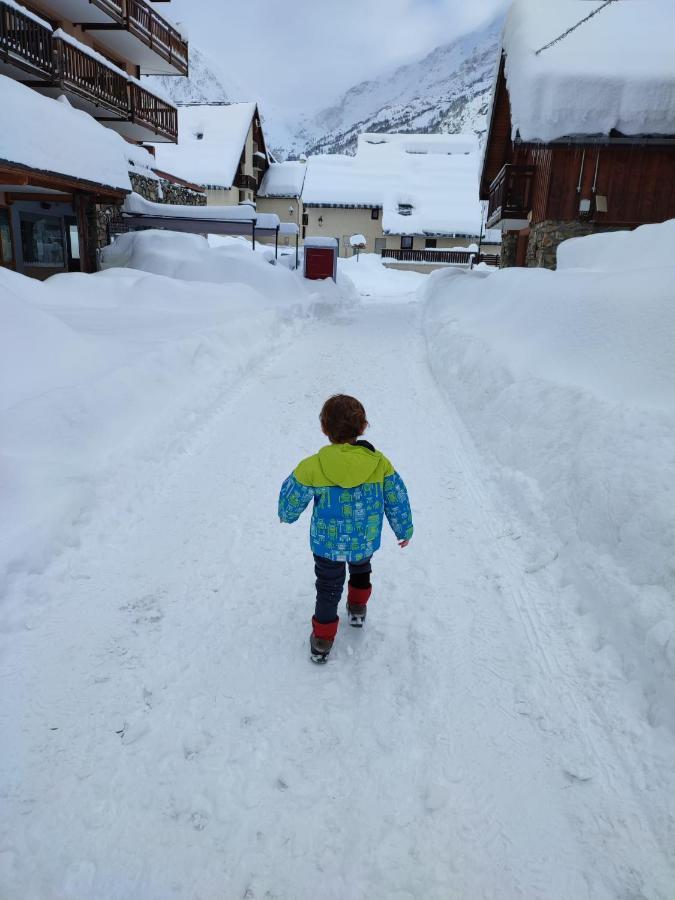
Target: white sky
<point>305,53</point>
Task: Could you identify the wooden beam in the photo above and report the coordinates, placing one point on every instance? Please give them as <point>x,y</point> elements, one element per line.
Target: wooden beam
<point>12,178</point>
<point>14,197</point>
<point>14,173</point>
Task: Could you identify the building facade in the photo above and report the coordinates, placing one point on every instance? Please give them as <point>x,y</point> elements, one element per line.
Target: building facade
<point>52,219</point>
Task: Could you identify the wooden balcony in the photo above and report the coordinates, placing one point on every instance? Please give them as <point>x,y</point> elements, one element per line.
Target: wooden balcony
<point>90,79</point>
<point>25,44</point>
<point>157,34</point>
<point>511,198</point>
<point>149,111</point>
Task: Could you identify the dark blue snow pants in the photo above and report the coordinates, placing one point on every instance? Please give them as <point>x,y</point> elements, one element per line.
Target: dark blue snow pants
<point>330,580</point>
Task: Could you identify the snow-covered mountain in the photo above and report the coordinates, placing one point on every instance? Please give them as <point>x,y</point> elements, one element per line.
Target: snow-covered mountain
<point>206,83</point>
<point>446,91</point>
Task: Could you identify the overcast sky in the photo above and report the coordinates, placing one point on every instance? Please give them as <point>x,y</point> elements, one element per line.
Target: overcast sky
<point>305,53</point>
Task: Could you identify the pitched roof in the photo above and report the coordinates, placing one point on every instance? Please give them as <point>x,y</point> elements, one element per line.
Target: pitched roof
<point>424,183</point>
<point>284,179</point>
<point>615,71</point>
<point>211,139</point>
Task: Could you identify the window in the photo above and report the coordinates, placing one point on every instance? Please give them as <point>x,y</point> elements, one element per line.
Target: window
<point>42,241</point>
<point>6,254</point>
<point>375,213</point>
<point>430,243</point>
<point>406,243</point>
<point>380,244</point>
<point>405,209</point>
<point>305,218</point>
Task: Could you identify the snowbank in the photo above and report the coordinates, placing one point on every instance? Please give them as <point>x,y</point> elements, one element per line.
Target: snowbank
<point>648,247</point>
<point>102,375</point>
<point>372,278</point>
<point>568,379</point>
<point>616,71</point>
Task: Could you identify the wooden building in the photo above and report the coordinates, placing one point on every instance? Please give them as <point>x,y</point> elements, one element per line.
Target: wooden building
<point>93,53</point>
<point>542,191</point>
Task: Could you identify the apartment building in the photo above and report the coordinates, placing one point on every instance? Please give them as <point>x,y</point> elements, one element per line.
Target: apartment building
<point>93,53</point>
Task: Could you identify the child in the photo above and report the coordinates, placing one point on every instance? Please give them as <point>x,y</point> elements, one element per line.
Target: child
<point>352,485</point>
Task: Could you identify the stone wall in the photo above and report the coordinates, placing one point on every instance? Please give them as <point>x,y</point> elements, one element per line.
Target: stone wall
<point>161,191</point>
<point>508,251</point>
<point>545,237</point>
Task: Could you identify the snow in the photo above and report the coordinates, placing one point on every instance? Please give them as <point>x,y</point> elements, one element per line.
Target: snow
<point>437,175</point>
<point>357,240</point>
<point>84,150</point>
<point>135,204</point>
<point>283,179</point>
<point>567,379</point>
<point>214,158</point>
<point>616,71</point>
<point>316,241</point>
<point>164,733</point>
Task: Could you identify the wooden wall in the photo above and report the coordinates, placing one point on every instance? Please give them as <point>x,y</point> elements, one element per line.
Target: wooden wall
<point>637,180</point>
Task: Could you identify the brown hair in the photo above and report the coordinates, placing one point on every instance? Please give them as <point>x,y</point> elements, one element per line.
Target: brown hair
<point>343,419</point>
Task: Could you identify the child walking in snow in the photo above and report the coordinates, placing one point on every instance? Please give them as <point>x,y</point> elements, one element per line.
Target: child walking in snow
<point>352,485</point>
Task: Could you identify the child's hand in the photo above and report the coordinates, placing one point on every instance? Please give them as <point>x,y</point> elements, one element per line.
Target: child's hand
<point>403,544</point>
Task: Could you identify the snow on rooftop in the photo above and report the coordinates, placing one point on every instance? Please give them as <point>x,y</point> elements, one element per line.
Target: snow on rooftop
<point>615,71</point>
<point>424,183</point>
<point>211,139</point>
<point>84,149</point>
<point>134,204</point>
<point>284,179</point>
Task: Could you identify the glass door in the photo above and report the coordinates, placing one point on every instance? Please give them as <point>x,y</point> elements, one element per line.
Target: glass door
<point>6,248</point>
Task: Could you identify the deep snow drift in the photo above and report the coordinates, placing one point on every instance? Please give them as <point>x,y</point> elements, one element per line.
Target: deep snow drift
<point>99,372</point>
<point>164,733</point>
<point>567,379</point>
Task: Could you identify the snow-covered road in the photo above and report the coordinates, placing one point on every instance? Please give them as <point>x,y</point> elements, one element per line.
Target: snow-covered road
<point>169,736</point>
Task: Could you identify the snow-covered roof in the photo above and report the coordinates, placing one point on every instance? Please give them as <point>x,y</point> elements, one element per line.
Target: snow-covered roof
<point>211,139</point>
<point>424,183</point>
<point>318,241</point>
<point>134,204</point>
<point>284,179</point>
<point>615,71</point>
<point>84,149</point>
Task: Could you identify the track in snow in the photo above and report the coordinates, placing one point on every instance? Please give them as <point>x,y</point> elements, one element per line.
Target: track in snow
<point>173,739</point>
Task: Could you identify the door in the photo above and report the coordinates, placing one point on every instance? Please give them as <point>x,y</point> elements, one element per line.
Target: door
<point>319,262</point>
<point>6,247</point>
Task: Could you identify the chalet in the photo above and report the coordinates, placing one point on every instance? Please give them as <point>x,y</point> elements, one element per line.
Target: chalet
<point>221,148</point>
<point>281,192</point>
<point>56,191</point>
<point>582,127</point>
<point>409,195</point>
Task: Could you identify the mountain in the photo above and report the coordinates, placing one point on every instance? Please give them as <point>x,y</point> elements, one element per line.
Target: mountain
<point>206,83</point>
<point>446,91</point>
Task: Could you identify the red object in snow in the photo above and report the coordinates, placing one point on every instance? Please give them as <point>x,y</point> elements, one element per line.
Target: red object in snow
<point>321,258</point>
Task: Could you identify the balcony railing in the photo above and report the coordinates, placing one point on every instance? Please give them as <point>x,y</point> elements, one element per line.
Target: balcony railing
<point>511,196</point>
<point>86,76</point>
<point>151,111</point>
<point>156,32</point>
<point>114,8</point>
<point>456,257</point>
<point>24,42</point>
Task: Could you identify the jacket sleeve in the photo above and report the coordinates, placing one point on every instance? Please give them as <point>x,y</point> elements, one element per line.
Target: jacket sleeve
<point>397,507</point>
<point>293,499</point>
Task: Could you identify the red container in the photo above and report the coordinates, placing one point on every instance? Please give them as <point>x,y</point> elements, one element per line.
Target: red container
<point>321,258</point>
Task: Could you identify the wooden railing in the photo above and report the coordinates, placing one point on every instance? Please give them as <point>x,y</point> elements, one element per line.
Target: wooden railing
<point>90,78</point>
<point>147,109</point>
<point>24,42</point>
<point>456,257</point>
<point>114,8</point>
<point>511,194</point>
<point>156,32</point>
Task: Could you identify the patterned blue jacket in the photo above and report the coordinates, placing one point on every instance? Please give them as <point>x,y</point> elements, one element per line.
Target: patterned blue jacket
<point>353,486</point>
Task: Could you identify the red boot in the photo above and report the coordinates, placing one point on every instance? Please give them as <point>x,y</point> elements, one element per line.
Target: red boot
<point>357,599</point>
<point>321,639</point>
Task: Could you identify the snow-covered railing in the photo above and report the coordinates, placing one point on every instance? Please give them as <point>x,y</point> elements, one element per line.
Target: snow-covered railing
<point>158,34</point>
<point>511,195</point>
<point>151,110</point>
<point>89,77</point>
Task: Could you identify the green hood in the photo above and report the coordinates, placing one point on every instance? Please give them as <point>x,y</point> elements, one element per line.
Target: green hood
<point>347,465</point>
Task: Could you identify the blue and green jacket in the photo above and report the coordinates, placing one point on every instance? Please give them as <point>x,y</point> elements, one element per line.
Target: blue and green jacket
<point>353,486</point>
